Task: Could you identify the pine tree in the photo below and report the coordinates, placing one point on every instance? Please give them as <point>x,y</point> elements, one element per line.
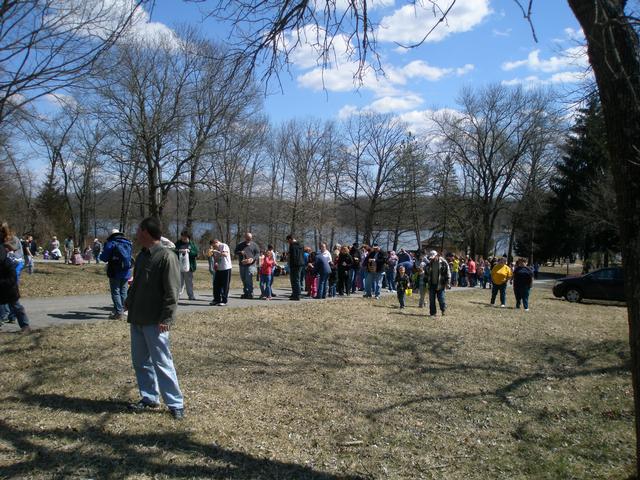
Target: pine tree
<point>581,215</point>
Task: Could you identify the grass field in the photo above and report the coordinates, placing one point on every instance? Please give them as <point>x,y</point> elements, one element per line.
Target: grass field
<point>333,390</point>
<point>54,278</point>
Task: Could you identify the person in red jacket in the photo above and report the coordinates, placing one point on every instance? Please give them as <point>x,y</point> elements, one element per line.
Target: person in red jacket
<point>266,271</point>
<point>471,272</point>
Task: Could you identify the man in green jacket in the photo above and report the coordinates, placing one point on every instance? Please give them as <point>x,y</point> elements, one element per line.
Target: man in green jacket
<point>152,303</point>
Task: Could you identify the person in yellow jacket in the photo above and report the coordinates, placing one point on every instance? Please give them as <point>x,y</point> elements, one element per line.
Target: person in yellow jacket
<point>500,275</point>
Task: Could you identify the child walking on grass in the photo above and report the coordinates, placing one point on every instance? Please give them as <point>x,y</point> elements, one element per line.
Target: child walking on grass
<point>402,283</point>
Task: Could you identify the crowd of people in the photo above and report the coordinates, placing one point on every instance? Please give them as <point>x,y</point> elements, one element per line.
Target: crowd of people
<point>347,269</point>
<point>326,273</point>
<point>163,270</point>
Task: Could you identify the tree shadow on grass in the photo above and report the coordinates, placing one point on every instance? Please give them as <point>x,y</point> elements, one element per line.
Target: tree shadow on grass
<point>560,362</point>
<point>115,455</point>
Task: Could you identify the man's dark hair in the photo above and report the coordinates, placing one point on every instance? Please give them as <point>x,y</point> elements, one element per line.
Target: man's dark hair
<point>186,233</point>
<point>151,225</point>
<point>290,237</point>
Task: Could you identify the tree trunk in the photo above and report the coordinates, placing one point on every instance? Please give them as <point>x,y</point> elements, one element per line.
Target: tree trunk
<point>613,49</point>
<point>512,237</point>
<point>192,199</point>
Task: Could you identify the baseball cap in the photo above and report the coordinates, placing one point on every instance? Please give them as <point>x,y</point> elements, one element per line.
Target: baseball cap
<point>432,254</point>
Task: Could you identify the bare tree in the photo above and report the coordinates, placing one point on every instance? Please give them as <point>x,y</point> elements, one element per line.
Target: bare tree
<point>48,45</point>
<point>374,175</point>
<point>306,166</point>
<point>489,138</point>
<point>144,93</point>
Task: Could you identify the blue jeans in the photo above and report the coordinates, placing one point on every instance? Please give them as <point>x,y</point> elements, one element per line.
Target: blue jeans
<point>353,276</point>
<point>377,283</point>
<point>433,294</point>
<point>153,365</point>
<point>247,279</point>
<point>14,310</point>
<point>522,295</point>
<point>391,278</point>
<point>369,287</point>
<point>119,288</point>
<point>503,293</point>
<point>322,285</point>
<point>265,285</point>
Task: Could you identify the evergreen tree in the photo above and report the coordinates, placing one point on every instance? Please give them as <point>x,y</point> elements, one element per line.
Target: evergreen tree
<point>581,214</point>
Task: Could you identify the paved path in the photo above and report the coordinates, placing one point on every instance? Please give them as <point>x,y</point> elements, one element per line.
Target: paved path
<point>52,311</point>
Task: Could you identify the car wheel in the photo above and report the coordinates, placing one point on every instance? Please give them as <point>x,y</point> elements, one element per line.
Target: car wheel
<point>573,295</point>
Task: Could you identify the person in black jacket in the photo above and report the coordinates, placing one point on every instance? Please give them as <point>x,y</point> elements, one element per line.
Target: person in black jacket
<point>296,266</point>
<point>355,269</point>
<point>345,266</point>
<point>522,282</point>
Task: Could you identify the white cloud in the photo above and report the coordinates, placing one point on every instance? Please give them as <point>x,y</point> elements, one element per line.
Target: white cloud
<point>396,104</point>
<point>501,33</point>
<point>341,78</point>
<point>347,111</point>
<point>530,81</point>
<point>468,68</point>
<point>568,77</point>
<point>343,5</point>
<point>574,34</point>
<point>410,23</point>
<point>421,69</point>
<point>16,99</point>
<point>533,81</point>
<point>307,47</point>
<point>571,58</point>
<point>101,18</point>
<point>417,121</point>
<point>60,100</point>
<point>421,121</point>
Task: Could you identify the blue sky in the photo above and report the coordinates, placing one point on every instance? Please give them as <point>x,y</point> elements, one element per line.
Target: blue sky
<point>485,41</point>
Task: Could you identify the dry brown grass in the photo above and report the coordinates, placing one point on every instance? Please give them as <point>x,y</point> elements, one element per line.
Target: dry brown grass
<point>52,279</point>
<point>332,390</point>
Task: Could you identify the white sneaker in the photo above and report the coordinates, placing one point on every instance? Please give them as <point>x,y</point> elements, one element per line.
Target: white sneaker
<point>526,309</point>
<point>502,306</point>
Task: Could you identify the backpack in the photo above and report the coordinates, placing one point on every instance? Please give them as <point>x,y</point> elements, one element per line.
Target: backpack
<point>8,279</point>
<point>120,260</point>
